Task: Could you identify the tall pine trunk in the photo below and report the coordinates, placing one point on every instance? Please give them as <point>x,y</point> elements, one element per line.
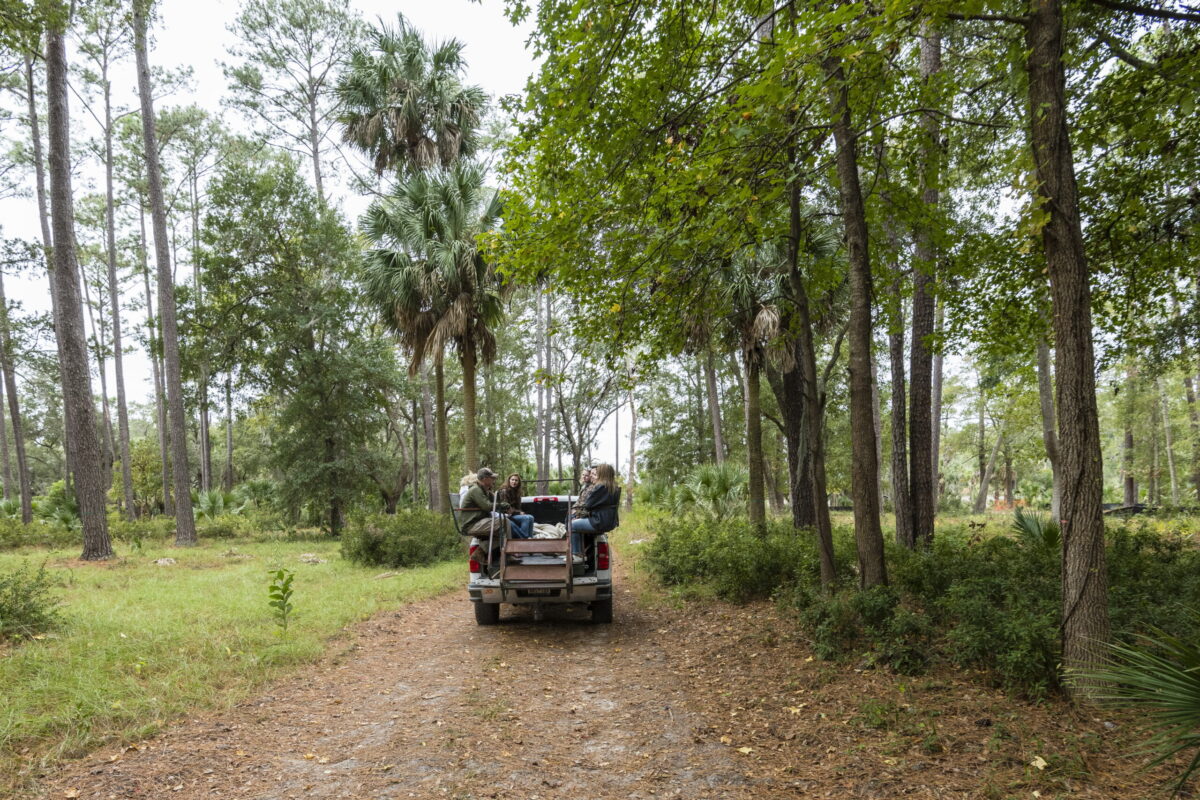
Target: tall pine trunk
<point>114,294</point>
<point>985,477</point>
<point>864,460</point>
<point>185,523</point>
<point>106,428</point>
<point>921,414</point>
<point>160,411</point>
<point>203,429</point>
<point>1194,429</point>
<point>72,345</point>
<point>539,385</point>
<point>14,411</point>
<point>935,449</point>
<point>633,425</point>
<point>227,477</point>
<point>1085,625</point>
<point>5,456</point>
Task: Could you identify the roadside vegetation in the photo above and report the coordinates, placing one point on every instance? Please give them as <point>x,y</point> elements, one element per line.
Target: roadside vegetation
<point>115,653</point>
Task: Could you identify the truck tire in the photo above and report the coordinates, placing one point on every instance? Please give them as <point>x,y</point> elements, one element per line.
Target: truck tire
<point>487,613</point>
<point>602,612</point>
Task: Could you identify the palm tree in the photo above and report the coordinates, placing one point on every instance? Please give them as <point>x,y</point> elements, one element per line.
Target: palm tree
<point>404,101</point>
<point>432,284</point>
<point>751,286</point>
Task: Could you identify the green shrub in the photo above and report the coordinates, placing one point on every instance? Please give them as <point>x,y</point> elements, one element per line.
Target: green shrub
<point>411,538</point>
<point>146,529</point>
<point>224,527</point>
<point>26,605</point>
<point>13,534</point>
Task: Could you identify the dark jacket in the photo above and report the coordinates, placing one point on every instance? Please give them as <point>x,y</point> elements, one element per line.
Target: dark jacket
<point>513,497</point>
<point>476,505</point>
<point>601,506</point>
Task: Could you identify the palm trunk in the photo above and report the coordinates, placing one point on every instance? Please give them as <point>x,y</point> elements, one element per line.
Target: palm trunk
<point>436,502</point>
<point>185,523</point>
<point>1049,426</point>
<point>114,293</point>
<point>443,438</point>
<point>1085,626</point>
<point>905,529</point>
<point>14,411</point>
<point>754,448</point>
<point>470,432</point>
<point>160,411</point>
<point>714,407</point>
<point>1166,417</point>
<point>864,459</point>
<point>72,346</point>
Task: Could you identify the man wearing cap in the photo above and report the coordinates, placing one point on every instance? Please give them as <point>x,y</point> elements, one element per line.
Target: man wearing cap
<point>480,506</point>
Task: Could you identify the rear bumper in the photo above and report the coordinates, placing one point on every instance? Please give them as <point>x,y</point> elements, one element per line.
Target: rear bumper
<point>583,590</point>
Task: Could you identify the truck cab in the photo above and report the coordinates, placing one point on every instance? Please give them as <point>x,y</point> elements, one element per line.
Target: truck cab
<point>541,571</point>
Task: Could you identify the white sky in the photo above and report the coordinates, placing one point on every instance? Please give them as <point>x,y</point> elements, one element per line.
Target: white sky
<point>196,35</point>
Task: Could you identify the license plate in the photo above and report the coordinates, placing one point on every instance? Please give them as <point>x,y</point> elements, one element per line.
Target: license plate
<point>541,592</point>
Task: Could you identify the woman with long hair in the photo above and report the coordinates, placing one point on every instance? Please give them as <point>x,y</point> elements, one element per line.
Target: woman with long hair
<point>601,507</point>
<point>511,494</point>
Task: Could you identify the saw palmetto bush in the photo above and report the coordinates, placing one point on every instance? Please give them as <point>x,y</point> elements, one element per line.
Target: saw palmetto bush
<point>1158,676</point>
<point>714,491</point>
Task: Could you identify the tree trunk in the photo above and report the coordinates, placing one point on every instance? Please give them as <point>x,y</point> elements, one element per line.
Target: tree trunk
<point>714,406</point>
<point>43,205</point>
<point>985,478</point>
<point>1166,417</point>
<point>877,412</point>
<point>1194,427</point>
<point>1009,479</point>
<point>204,434</point>
<point>14,411</point>
<point>539,421</point>
<point>935,423</point>
<point>789,395</point>
<point>811,397</point>
<point>314,143</point>
<point>4,454</point>
<point>546,429</point>
<point>436,503</point>
<point>864,459</point>
<point>1085,627</point>
<point>1128,481</point>
<point>185,523</point>
<point>630,482</point>
<point>160,411</point>
<point>921,417</point>
<point>114,294</point>
<point>470,432</point>
<point>905,531</point>
<point>443,437</point>
<point>756,501</point>
<point>227,477</point>
<point>108,454</point>
<point>72,345</point>
<point>1049,426</point>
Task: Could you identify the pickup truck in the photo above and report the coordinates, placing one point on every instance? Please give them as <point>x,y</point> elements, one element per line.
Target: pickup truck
<point>540,572</point>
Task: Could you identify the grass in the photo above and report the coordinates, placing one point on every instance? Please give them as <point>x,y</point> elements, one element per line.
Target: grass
<point>142,644</point>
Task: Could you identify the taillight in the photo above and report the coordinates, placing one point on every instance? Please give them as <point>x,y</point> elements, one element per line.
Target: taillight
<point>474,556</point>
<point>602,555</point>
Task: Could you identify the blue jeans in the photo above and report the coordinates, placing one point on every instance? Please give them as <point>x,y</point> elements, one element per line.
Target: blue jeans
<point>578,528</point>
<point>522,526</point>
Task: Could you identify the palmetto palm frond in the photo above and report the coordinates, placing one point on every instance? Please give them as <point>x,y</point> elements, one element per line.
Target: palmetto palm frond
<point>404,102</point>
<point>426,274</point>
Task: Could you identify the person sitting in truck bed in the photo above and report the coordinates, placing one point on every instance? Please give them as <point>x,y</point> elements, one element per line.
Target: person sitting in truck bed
<point>600,505</point>
<point>478,517</point>
<point>511,494</point>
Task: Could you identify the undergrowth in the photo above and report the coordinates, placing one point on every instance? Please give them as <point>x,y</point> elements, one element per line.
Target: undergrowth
<point>410,538</point>
<point>986,602</point>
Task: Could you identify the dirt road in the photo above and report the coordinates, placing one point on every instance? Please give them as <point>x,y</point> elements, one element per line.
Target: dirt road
<point>698,701</point>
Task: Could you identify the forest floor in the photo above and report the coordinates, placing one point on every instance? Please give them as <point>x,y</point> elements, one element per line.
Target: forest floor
<point>691,700</point>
